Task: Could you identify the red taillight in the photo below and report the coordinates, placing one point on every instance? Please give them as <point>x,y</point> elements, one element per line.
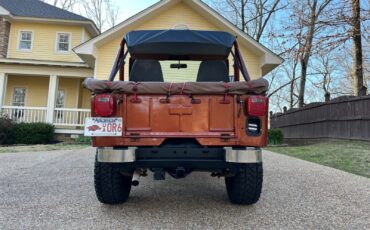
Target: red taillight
<point>257,106</point>
<point>104,105</point>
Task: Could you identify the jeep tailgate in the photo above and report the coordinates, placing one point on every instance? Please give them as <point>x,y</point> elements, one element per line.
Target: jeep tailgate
<point>180,115</point>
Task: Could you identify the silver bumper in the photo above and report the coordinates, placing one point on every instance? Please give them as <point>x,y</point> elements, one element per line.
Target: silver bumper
<point>248,155</point>
<point>110,155</point>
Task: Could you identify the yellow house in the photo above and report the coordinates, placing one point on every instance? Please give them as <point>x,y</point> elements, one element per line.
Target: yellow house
<point>40,75</point>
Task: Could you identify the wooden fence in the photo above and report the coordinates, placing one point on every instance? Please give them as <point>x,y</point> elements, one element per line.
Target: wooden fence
<point>341,118</point>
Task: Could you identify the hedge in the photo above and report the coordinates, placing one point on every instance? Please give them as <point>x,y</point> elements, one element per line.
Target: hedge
<point>33,133</point>
<point>25,133</point>
<point>6,126</point>
<point>275,136</point>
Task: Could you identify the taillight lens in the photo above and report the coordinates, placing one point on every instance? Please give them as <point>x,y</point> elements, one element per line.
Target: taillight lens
<point>257,106</point>
<point>103,105</point>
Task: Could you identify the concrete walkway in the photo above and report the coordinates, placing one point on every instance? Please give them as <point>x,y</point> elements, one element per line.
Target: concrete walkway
<point>54,190</point>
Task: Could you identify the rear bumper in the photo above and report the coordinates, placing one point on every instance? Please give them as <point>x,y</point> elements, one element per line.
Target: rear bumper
<point>180,157</point>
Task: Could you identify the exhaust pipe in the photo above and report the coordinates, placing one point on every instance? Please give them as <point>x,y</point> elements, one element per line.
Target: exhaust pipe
<point>135,178</point>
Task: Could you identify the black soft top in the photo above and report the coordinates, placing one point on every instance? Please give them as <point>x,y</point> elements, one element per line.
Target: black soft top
<point>180,42</point>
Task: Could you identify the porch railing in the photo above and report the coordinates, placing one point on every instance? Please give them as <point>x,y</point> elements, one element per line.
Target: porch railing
<point>70,117</point>
<point>25,114</point>
<point>62,117</point>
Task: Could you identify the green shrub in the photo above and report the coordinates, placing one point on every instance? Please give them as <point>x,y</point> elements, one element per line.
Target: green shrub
<point>275,136</point>
<point>6,127</point>
<point>83,140</point>
<point>33,133</point>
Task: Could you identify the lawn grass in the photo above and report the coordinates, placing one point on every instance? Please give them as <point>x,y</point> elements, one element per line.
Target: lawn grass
<point>37,148</point>
<point>349,156</point>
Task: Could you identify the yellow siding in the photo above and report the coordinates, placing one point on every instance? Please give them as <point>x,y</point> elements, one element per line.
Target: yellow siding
<point>84,101</point>
<point>253,63</point>
<point>179,14</point>
<point>87,36</point>
<point>44,41</point>
<point>180,75</point>
<point>105,59</point>
<point>71,87</point>
<point>37,88</point>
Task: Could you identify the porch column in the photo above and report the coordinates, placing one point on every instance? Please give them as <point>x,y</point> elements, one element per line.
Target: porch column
<point>53,88</point>
<point>3,85</point>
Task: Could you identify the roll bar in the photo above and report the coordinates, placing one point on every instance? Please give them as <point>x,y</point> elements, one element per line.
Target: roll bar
<point>119,63</point>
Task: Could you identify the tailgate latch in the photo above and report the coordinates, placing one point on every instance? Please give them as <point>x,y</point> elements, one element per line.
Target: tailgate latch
<point>225,137</point>
<point>134,137</point>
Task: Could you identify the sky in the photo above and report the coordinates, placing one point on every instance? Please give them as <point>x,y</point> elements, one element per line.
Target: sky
<point>130,7</point>
<point>127,8</point>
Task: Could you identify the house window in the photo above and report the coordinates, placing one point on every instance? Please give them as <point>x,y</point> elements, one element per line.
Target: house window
<point>60,104</point>
<point>19,100</point>
<point>25,40</point>
<point>60,98</point>
<point>63,42</point>
<point>19,96</point>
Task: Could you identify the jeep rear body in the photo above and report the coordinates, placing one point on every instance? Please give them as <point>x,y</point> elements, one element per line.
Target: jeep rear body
<point>208,125</point>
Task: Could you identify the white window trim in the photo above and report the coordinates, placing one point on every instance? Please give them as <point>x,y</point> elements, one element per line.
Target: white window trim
<point>57,41</point>
<point>19,40</point>
<point>181,26</point>
<point>83,35</point>
<point>25,97</point>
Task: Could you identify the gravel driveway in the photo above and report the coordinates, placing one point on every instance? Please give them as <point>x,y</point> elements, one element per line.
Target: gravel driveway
<point>54,190</point>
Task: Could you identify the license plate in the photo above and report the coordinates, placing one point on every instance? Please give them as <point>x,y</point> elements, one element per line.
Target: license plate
<point>103,127</point>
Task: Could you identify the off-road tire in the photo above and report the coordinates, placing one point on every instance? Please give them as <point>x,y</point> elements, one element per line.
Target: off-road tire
<point>111,186</point>
<point>246,185</point>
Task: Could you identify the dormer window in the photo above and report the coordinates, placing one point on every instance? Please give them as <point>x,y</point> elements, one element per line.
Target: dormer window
<point>63,42</point>
<point>25,41</point>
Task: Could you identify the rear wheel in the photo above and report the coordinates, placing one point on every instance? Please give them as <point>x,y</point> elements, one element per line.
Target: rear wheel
<point>111,186</point>
<point>246,185</point>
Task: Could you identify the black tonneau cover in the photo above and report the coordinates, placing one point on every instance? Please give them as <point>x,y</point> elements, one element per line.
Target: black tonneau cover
<point>180,42</point>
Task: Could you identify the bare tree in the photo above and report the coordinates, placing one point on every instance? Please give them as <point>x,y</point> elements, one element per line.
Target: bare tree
<point>94,9</point>
<point>251,16</point>
<point>358,74</point>
<point>111,13</point>
<point>63,4</point>
<point>314,11</point>
<point>103,12</point>
<point>348,23</point>
<point>325,69</point>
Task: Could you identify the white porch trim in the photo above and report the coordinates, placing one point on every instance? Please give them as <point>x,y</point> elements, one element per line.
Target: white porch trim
<point>66,120</point>
<point>3,85</point>
<point>69,131</point>
<point>44,70</point>
<point>53,88</point>
<point>41,62</point>
<point>63,118</point>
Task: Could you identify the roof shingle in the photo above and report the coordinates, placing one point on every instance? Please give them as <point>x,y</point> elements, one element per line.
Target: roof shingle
<point>38,9</point>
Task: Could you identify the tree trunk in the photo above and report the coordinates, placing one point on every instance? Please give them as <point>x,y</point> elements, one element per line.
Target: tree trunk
<point>307,53</point>
<point>243,15</point>
<point>302,83</point>
<point>291,101</point>
<point>326,91</point>
<point>358,75</point>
